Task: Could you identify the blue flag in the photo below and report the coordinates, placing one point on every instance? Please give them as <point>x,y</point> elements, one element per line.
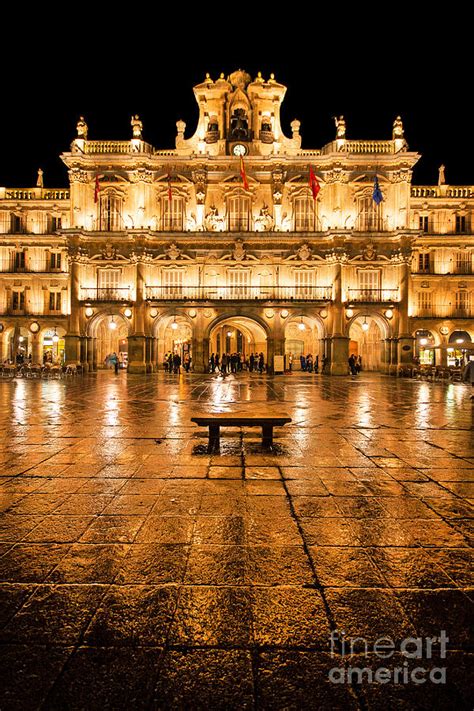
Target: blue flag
<point>377,194</point>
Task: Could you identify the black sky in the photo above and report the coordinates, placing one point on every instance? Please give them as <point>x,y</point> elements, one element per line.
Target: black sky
<point>368,69</point>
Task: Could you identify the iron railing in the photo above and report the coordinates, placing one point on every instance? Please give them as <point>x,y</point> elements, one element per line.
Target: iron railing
<point>372,295</point>
<point>105,294</point>
<point>238,293</point>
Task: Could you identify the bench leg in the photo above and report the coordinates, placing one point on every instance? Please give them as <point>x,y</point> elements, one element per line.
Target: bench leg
<point>267,436</point>
<point>214,438</point>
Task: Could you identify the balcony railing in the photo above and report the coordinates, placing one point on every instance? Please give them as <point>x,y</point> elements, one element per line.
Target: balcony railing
<point>452,191</point>
<point>372,295</point>
<point>105,294</point>
<point>238,293</point>
<point>9,267</point>
<point>459,269</point>
<point>113,147</point>
<point>444,312</point>
<point>34,194</point>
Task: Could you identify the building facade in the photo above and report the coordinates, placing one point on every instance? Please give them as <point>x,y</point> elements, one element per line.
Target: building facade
<point>223,244</point>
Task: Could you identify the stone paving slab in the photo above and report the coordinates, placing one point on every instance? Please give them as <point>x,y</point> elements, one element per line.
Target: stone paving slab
<point>139,572</point>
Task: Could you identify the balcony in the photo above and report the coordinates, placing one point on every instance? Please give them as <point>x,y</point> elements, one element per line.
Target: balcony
<point>372,296</point>
<point>105,294</point>
<point>238,293</point>
<point>446,311</point>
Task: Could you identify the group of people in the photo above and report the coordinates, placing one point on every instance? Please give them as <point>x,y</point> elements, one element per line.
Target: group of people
<point>234,362</point>
<point>355,364</point>
<point>308,364</point>
<point>172,362</point>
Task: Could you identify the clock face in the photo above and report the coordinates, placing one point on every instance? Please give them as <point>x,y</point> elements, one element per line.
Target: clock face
<point>239,150</point>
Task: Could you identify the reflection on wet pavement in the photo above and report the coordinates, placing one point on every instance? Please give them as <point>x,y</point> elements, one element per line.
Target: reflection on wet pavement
<point>137,571</point>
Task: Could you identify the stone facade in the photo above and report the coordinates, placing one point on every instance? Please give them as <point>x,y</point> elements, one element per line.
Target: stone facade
<point>224,243</point>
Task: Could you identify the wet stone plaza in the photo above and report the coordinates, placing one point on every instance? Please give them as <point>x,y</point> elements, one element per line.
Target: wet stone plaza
<point>140,572</point>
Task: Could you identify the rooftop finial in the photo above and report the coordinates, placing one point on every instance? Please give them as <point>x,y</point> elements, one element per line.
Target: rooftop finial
<point>441,175</point>
<point>137,126</point>
<point>81,128</point>
<point>39,180</point>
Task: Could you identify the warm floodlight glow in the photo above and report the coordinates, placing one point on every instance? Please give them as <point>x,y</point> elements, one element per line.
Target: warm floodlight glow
<point>112,324</point>
<point>365,325</point>
<point>389,313</point>
<point>423,341</point>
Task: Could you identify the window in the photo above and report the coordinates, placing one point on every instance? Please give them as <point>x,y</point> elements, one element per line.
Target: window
<point>109,280</point>
<point>424,262</point>
<point>238,211</point>
<point>424,303</point>
<point>55,261</point>
<point>463,263</point>
<point>461,224</point>
<point>423,223</point>
<point>462,303</point>
<point>19,261</point>
<point>18,300</point>
<point>304,281</point>
<point>369,214</point>
<point>368,284</point>
<point>172,281</point>
<point>238,281</point>
<point>173,214</point>
<point>17,224</point>
<point>55,301</point>
<point>304,211</point>
<point>54,223</point>
<point>110,212</point>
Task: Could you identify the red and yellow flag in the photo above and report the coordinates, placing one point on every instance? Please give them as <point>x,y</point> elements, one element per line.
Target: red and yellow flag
<point>313,183</point>
<point>243,174</point>
<point>96,189</point>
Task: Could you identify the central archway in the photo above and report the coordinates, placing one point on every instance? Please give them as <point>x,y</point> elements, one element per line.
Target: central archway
<point>367,333</point>
<point>109,331</point>
<point>238,334</point>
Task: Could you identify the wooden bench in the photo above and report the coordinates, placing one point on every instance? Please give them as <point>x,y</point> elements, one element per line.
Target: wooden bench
<point>239,419</point>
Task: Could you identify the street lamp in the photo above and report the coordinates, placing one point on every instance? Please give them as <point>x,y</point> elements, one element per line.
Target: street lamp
<point>365,325</point>
<point>112,324</point>
<point>55,338</point>
<point>301,325</point>
<point>174,325</point>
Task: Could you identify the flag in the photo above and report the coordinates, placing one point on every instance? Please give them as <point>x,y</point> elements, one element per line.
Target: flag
<point>170,192</point>
<point>242,174</point>
<point>313,183</point>
<point>377,194</point>
<point>96,188</point>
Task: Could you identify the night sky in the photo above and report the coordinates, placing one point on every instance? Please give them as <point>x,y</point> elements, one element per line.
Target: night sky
<point>112,71</point>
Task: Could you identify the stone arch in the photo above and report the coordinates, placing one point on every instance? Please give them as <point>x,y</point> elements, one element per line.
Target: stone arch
<point>106,340</point>
<point>169,340</point>
<point>369,344</point>
<point>239,333</point>
<point>304,334</point>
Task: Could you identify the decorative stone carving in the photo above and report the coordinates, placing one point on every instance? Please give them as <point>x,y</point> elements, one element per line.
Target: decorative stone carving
<point>137,126</point>
<point>336,175</point>
<point>214,222</point>
<point>173,252</point>
<point>397,130</point>
<point>78,176</point>
<point>425,285</point>
<point>304,252</point>
<point>82,128</point>
<point>340,126</point>
<point>462,285</point>
<point>240,79</point>
<point>141,176</point>
<point>369,252</point>
<point>404,175</point>
<point>239,252</point>
<point>264,222</point>
<point>108,251</point>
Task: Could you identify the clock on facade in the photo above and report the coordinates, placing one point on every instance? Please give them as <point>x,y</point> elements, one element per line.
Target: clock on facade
<point>239,149</point>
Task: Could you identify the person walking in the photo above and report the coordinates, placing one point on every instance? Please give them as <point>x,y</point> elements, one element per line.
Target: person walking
<point>261,363</point>
<point>290,362</point>
<point>224,364</point>
<point>176,363</point>
<point>468,375</point>
<point>352,364</point>
<point>187,362</point>
<point>212,362</point>
<point>251,362</point>
<point>115,362</point>
<point>303,362</point>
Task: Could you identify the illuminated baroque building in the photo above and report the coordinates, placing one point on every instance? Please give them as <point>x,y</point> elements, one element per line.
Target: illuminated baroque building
<point>190,248</point>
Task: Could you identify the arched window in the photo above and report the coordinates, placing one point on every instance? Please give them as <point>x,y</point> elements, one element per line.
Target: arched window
<point>110,212</point>
<point>369,214</point>
<point>172,214</point>
<point>304,213</point>
<point>238,210</point>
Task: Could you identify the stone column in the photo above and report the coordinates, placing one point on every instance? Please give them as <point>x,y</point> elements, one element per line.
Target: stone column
<point>94,354</point>
<point>200,346</point>
<point>405,339</point>
<point>35,348</point>
<point>339,342</point>
<point>136,340</point>
<point>72,340</point>
<point>90,353</point>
